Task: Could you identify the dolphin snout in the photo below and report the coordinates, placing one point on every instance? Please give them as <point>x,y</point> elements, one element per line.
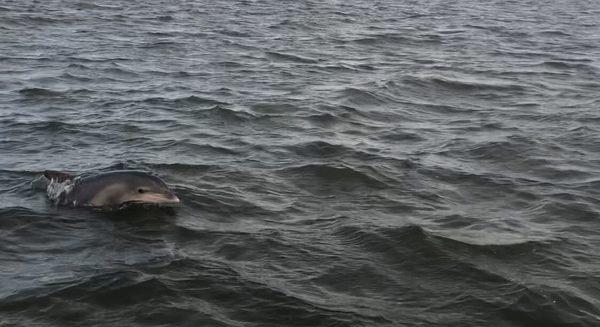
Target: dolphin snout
<point>159,198</point>
<point>174,199</point>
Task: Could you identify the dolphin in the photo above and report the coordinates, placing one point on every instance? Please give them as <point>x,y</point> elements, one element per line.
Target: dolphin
<point>108,190</point>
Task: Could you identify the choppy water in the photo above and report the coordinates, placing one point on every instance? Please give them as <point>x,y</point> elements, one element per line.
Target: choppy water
<point>341,163</point>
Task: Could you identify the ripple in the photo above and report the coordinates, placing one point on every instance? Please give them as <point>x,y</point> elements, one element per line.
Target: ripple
<point>364,98</point>
<point>319,149</point>
<point>40,92</point>
<point>463,84</point>
<point>222,113</point>
<point>188,101</point>
<point>344,177</point>
<point>286,57</point>
<point>339,163</point>
<point>235,33</point>
<point>92,6</point>
<point>552,308</point>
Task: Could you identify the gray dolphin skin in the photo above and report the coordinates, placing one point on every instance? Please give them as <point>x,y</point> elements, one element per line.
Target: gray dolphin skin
<point>115,189</point>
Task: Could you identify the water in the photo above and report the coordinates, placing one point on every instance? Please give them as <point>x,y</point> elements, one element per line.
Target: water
<point>341,163</point>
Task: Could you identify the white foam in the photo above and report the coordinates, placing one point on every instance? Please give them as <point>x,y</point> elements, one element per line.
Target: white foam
<point>55,189</point>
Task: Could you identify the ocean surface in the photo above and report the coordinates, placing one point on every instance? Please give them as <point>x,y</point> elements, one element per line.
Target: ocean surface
<point>340,163</point>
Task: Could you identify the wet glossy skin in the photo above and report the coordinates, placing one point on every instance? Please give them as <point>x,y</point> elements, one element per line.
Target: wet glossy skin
<point>118,188</point>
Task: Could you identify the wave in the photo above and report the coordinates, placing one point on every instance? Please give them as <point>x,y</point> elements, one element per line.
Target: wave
<point>93,58</point>
<point>24,173</point>
<point>274,109</point>
<point>22,213</point>
<point>223,201</point>
<point>95,289</point>
<point>323,119</point>
<point>549,307</point>
<point>367,279</point>
<point>183,145</point>
<point>160,45</point>
<point>572,210</point>
<point>234,33</point>
<point>387,39</point>
<point>186,100</point>
<point>567,65</point>
<point>365,98</point>
<point>230,64</point>
<point>182,168</point>
<point>555,33</point>
<point>165,18</point>
<point>322,177</point>
<point>92,6</point>
<point>498,150</point>
<point>319,149</point>
<point>223,114</point>
<point>401,243</point>
<point>83,79</point>
<point>342,153</point>
<point>344,68</point>
<point>279,56</point>
<point>464,84</point>
<point>401,136</point>
<point>121,73</point>
<point>40,92</point>
<point>151,289</point>
<point>411,249</point>
<point>46,126</point>
<point>44,20</point>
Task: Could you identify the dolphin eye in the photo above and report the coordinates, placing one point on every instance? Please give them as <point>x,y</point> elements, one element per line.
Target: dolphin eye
<point>140,190</point>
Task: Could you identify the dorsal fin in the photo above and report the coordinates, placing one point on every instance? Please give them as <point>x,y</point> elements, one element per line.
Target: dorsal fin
<point>58,176</point>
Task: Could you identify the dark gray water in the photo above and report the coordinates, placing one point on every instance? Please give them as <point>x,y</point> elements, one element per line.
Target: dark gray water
<point>341,163</point>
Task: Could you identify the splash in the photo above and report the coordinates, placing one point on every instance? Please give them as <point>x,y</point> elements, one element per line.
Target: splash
<point>57,191</point>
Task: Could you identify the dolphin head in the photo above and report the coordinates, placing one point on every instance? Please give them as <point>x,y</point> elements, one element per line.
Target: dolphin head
<point>123,188</point>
